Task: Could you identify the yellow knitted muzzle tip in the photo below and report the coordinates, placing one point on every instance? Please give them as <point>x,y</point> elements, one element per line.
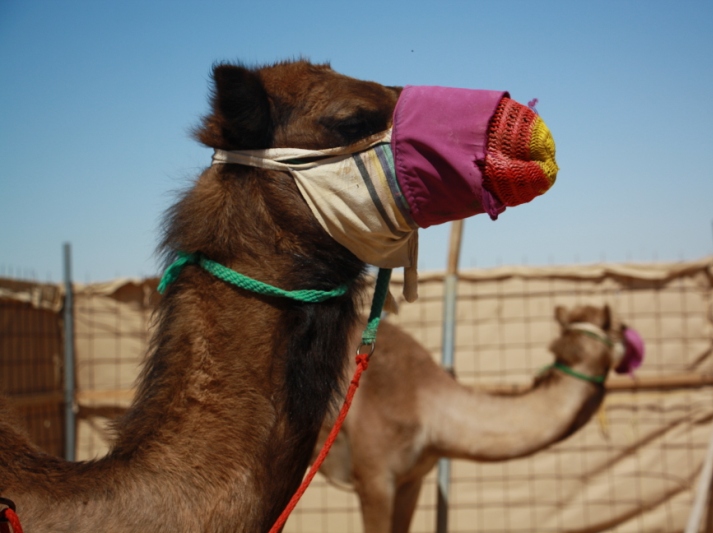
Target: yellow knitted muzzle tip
<point>542,149</point>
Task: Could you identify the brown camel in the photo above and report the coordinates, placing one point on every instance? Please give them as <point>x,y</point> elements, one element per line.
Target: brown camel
<point>236,384</point>
<point>409,412</point>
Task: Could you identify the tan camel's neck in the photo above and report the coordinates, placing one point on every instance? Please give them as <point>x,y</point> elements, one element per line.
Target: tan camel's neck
<point>475,425</point>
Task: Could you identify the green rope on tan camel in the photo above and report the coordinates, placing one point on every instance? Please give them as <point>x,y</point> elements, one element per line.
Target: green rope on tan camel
<point>228,275</point>
<point>567,370</point>
<point>244,282</point>
<point>381,289</point>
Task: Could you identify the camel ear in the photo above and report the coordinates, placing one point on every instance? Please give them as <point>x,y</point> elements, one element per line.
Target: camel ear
<point>240,117</point>
<point>562,316</point>
<point>607,318</point>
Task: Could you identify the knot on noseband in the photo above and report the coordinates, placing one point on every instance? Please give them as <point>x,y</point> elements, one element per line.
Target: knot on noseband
<point>590,330</point>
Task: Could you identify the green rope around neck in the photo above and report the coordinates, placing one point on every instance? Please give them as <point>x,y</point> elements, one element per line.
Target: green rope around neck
<point>569,371</point>
<point>228,275</point>
<point>244,282</point>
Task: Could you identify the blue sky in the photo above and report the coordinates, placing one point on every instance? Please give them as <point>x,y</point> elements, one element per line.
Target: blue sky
<point>97,99</point>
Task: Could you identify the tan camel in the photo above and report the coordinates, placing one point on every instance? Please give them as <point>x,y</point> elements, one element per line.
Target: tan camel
<point>409,412</point>
<point>236,384</point>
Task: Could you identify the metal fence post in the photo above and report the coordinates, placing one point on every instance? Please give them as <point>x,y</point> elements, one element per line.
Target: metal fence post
<point>449,331</point>
<point>69,416</point>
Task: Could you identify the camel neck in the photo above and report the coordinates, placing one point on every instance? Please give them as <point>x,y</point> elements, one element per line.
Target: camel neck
<point>491,427</point>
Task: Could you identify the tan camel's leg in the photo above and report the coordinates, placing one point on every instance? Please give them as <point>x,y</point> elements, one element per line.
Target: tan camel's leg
<point>376,495</point>
<point>405,503</point>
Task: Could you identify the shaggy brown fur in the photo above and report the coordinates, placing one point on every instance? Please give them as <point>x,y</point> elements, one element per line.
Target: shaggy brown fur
<point>235,385</point>
<point>409,412</point>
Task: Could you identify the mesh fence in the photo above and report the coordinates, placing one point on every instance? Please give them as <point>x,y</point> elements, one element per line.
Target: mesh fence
<point>31,359</point>
<point>632,468</point>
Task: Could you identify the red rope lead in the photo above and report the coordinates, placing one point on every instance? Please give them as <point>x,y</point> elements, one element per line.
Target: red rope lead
<point>368,339</point>
<point>9,516</point>
<point>362,360</point>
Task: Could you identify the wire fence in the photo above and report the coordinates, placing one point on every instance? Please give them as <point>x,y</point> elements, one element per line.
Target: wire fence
<point>632,468</point>
<point>31,360</point>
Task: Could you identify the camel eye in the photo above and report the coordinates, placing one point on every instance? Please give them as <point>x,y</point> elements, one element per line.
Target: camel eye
<point>356,126</point>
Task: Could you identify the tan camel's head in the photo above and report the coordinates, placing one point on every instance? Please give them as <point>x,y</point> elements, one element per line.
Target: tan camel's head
<point>293,104</point>
<point>600,347</point>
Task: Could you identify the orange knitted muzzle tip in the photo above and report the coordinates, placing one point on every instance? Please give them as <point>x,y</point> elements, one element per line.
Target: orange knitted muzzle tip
<point>520,159</point>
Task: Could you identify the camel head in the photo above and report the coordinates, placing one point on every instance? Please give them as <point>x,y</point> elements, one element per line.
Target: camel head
<point>375,163</point>
<point>591,338</point>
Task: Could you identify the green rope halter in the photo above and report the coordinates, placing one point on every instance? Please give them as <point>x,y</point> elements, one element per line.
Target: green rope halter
<point>567,370</point>
<point>306,295</point>
<point>244,282</point>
